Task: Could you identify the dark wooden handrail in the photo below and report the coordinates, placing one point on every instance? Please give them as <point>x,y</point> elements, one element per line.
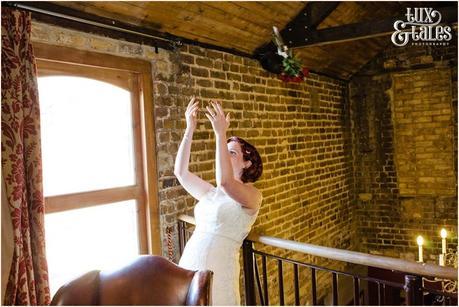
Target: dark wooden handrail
<point>423,269</point>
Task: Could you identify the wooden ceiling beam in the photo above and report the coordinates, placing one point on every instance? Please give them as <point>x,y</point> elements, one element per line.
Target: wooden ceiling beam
<point>360,30</point>
<point>309,18</point>
<point>316,12</point>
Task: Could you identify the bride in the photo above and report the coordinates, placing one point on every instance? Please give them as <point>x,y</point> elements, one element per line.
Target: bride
<point>225,213</point>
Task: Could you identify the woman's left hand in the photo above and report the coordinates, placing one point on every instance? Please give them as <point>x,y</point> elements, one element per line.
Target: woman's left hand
<point>220,122</point>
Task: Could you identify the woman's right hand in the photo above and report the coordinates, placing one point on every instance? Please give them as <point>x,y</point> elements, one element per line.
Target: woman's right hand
<point>191,114</point>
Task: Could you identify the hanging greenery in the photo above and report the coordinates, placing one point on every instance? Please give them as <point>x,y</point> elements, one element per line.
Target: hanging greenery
<point>292,69</point>
<point>292,66</point>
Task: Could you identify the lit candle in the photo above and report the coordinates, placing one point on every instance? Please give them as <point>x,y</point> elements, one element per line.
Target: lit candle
<point>420,241</point>
<point>443,240</point>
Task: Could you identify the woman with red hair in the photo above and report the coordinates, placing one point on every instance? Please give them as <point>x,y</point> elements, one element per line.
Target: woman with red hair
<point>224,214</point>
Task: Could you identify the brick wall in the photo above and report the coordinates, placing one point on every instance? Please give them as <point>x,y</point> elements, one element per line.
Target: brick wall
<point>302,132</point>
<point>404,115</point>
<point>421,104</point>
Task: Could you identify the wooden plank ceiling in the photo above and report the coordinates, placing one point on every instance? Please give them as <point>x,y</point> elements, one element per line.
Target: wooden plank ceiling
<point>245,26</point>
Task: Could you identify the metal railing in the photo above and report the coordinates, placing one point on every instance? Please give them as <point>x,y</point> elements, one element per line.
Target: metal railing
<point>256,280</point>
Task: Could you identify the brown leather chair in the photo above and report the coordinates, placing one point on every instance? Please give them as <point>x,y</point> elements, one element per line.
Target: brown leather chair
<point>149,280</point>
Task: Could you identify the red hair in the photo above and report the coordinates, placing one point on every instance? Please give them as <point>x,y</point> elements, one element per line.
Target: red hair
<point>249,153</point>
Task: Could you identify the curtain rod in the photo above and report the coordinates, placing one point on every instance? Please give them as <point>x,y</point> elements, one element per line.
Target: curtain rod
<point>85,21</point>
<point>163,40</point>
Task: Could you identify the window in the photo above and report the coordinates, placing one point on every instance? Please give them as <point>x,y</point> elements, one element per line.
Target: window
<point>99,176</point>
<point>87,135</point>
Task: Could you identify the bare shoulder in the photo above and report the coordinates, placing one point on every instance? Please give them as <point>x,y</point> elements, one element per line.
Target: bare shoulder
<point>257,197</point>
<point>245,194</point>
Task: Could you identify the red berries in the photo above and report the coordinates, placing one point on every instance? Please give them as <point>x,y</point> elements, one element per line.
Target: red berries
<point>298,78</point>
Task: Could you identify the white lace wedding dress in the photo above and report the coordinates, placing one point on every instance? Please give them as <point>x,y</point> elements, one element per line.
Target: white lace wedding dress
<point>221,226</point>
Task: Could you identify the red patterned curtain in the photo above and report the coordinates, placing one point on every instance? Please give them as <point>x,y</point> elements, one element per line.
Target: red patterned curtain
<point>21,162</point>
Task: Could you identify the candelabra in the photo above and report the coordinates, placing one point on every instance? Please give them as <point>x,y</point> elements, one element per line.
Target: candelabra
<point>450,286</point>
<point>447,286</point>
<point>448,257</point>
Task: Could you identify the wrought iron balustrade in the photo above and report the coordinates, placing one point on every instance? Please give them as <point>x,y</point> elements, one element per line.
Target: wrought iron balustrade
<point>415,278</point>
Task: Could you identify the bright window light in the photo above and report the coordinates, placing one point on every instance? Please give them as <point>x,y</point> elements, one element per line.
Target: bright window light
<point>94,238</point>
<point>86,133</point>
<point>87,145</point>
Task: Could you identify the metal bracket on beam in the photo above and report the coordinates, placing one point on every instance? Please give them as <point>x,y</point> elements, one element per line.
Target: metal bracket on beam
<point>306,20</point>
<point>361,30</point>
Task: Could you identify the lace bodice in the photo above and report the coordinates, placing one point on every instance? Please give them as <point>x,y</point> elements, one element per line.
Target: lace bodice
<point>219,214</point>
<point>221,226</point>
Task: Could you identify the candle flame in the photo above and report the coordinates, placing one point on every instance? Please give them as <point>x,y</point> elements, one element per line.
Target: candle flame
<point>420,240</point>
<point>443,233</point>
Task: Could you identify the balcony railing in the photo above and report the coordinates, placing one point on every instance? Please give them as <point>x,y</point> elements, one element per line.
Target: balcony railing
<point>416,283</point>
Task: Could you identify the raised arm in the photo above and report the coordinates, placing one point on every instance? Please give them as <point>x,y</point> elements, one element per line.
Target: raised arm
<point>190,182</point>
<point>245,194</point>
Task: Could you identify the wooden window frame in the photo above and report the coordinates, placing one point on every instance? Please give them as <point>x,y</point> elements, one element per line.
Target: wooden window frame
<point>134,75</point>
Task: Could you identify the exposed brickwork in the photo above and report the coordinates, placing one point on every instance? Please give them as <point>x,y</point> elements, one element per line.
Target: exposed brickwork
<point>423,134</point>
<point>404,106</point>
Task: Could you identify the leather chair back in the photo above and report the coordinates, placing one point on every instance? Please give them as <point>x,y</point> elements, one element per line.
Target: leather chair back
<point>149,280</point>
